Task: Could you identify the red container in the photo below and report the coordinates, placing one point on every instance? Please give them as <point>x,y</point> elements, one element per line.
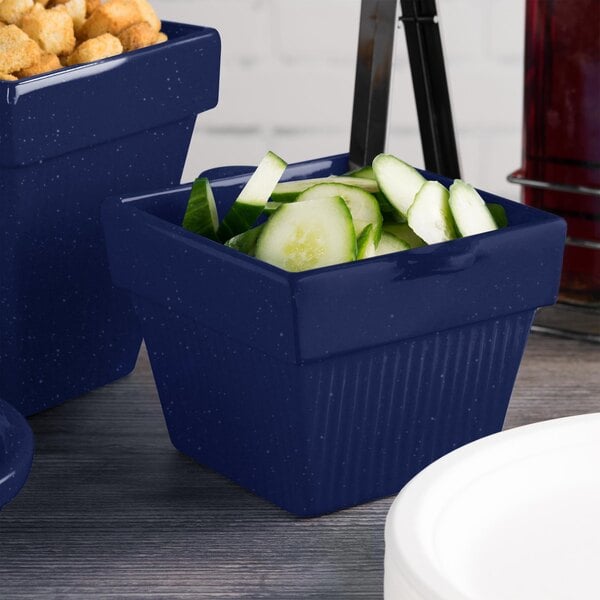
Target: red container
<point>561,136</point>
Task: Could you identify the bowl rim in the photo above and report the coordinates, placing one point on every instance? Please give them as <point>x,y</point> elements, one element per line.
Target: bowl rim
<point>66,73</point>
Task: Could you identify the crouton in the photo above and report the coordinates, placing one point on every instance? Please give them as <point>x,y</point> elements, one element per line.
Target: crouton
<point>7,77</point>
<point>51,29</point>
<point>97,48</point>
<point>149,15</point>
<point>137,36</point>
<point>76,8</point>
<point>48,62</point>
<point>91,6</point>
<point>112,17</point>
<point>12,11</point>
<point>17,50</point>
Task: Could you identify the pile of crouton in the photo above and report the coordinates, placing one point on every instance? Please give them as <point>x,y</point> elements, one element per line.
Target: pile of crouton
<point>37,36</point>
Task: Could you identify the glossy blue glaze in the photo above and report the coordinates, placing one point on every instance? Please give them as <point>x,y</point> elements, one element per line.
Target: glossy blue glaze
<point>16,452</point>
<point>69,139</point>
<point>323,389</point>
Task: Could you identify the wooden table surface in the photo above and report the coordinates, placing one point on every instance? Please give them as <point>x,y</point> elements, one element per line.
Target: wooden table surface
<point>112,510</point>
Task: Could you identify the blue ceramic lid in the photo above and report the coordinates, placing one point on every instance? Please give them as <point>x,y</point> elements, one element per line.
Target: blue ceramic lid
<point>16,452</point>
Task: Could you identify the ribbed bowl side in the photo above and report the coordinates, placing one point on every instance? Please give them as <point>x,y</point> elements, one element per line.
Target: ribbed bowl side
<point>321,436</point>
<point>379,416</point>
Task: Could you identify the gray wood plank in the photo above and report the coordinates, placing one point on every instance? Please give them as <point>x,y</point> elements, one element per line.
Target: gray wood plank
<point>112,510</point>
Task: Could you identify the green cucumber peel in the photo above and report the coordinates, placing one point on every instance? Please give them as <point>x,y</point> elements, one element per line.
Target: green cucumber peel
<point>246,242</point>
<point>366,243</point>
<point>498,214</point>
<point>201,213</point>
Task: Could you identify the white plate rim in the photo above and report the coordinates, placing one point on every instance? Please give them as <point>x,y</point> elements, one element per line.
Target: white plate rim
<point>497,450</point>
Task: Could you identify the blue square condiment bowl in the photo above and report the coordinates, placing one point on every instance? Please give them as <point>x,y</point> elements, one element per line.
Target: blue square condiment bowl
<point>69,139</point>
<point>328,388</point>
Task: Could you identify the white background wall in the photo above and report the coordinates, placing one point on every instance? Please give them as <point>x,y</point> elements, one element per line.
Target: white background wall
<point>287,81</point>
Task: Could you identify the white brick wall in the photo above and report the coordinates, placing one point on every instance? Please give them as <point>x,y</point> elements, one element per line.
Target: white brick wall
<point>287,81</point>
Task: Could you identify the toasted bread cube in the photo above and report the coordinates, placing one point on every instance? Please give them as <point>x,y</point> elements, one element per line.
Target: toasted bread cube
<point>7,77</point>
<point>76,8</point>
<point>17,50</point>
<point>91,6</point>
<point>51,29</point>
<point>149,15</point>
<point>137,36</point>
<point>103,46</point>
<point>12,11</point>
<point>112,17</point>
<point>48,62</point>
<point>161,38</point>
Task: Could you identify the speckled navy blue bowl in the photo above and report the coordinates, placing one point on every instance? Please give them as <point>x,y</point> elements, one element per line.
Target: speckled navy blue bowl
<point>324,389</point>
<point>69,139</point>
<point>16,452</point>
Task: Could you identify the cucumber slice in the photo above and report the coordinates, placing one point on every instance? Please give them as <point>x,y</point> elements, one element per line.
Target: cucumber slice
<point>201,213</point>
<point>308,235</point>
<point>367,173</point>
<point>469,210</point>
<point>246,242</point>
<point>390,243</point>
<point>363,173</point>
<point>498,214</point>
<point>403,232</point>
<point>398,181</point>
<point>387,209</point>
<point>271,207</point>
<point>363,206</point>
<point>366,243</point>
<point>430,216</point>
<point>252,199</point>
<point>288,191</point>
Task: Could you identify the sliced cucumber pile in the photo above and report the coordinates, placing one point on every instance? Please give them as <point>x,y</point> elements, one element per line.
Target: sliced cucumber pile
<point>385,208</point>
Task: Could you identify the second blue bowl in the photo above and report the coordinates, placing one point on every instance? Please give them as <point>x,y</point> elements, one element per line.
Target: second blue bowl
<point>324,389</point>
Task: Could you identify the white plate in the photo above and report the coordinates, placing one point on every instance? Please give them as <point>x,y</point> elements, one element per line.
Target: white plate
<point>514,516</point>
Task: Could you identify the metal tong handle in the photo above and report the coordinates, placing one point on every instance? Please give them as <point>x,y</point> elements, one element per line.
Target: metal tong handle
<point>373,77</point>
